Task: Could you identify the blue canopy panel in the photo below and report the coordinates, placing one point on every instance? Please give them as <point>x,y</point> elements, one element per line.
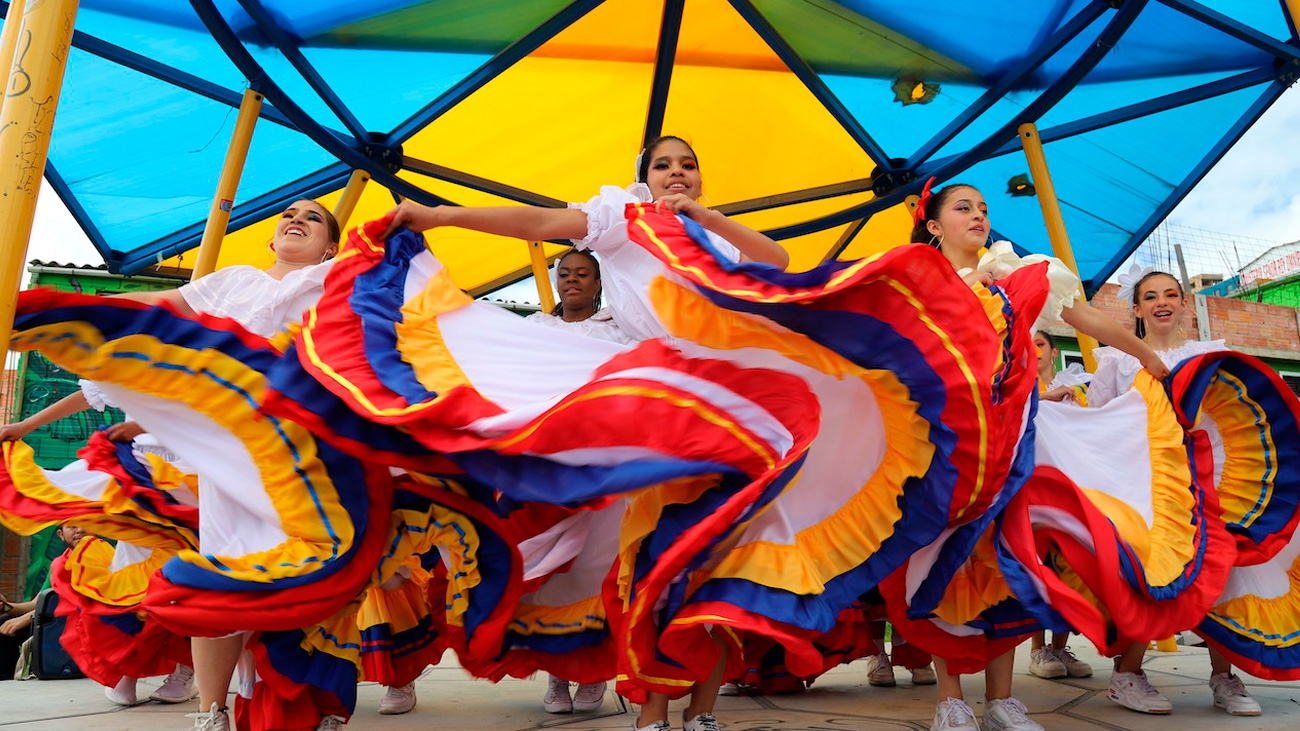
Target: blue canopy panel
<point>1128,132</point>
<point>151,167</point>
<point>140,178</point>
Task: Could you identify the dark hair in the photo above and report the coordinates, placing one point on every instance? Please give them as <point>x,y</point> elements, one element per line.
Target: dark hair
<point>939,198</point>
<point>647,154</point>
<point>558,309</point>
<point>1051,341</point>
<point>1139,325</point>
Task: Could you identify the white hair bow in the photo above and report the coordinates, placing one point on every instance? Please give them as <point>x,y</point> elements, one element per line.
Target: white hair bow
<point>1128,280</point>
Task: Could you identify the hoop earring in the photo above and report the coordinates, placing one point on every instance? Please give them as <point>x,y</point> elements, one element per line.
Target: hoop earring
<point>936,241</point>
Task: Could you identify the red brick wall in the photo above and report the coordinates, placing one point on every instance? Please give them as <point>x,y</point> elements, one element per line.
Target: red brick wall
<point>12,569</point>
<point>1245,324</point>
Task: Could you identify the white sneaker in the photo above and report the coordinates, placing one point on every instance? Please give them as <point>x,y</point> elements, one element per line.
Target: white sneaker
<point>331,723</point>
<point>214,719</point>
<point>1230,695</point>
<point>1134,691</point>
<point>702,722</point>
<point>1074,667</point>
<point>729,689</point>
<point>123,693</point>
<point>397,700</point>
<point>954,715</point>
<point>656,726</point>
<point>589,696</point>
<point>924,676</point>
<point>1043,663</point>
<point>177,688</point>
<point>1008,714</point>
<point>557,698</point>
<point>880,672</point>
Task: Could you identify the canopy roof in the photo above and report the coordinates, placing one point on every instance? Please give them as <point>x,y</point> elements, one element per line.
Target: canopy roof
<point>795,107</point>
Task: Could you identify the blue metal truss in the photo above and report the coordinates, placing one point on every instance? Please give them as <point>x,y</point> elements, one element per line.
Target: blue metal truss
<point>1012,79</point>
<point>491,69</point>
<point>289,48</point>
<point>1245,33</point>
<point>810,79</point>
<point>670,29</point>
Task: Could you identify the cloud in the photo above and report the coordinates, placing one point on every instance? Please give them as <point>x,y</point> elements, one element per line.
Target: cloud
<point>1254,190</point>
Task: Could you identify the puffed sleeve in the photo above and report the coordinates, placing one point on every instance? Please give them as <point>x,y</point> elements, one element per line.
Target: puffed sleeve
<point>1063,287</point>
<point>206,294</point>
<point>605,214</point>
<point>94,396</point>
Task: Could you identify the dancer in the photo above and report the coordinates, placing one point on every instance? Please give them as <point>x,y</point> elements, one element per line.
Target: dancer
<point>668,174</point>
<point>235,522</point>
<point>103,634</point>
<point>955,220</point>
<point>1159,308</point>
<point>1056,660</point>
<point>578,280</point>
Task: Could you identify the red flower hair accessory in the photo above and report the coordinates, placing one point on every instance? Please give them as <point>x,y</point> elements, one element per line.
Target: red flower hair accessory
<point>919,215</point>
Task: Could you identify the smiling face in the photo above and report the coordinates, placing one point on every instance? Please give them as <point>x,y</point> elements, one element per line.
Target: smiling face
<point>1160,303</point>
<point>578,280</point>
<point>673,169</point>
<point>962,223</point>
<point>303,233</point>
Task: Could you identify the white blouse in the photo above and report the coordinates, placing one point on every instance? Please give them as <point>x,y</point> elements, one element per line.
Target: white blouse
<point>600,326</point>
<point>254,298</point>
<point>627,269</point>
<point>1117,369</point>
<point>1063,286</point>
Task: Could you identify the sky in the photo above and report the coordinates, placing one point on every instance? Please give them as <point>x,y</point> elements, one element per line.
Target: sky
<point>1253,192</point>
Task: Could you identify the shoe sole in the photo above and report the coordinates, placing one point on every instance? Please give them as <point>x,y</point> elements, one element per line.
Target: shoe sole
<point>587,707</point>
<point>1050,676</point>
<point>173,701</point>
<point>1260,712</point>
<point>883,684</point>
<point>1157,712</point>
<point>558,709</point>
<point>925,682</point>
<point>396,711</point>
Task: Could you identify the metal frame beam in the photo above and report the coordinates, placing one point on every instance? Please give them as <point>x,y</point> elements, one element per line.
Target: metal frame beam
<point>1124,18</point>
<point>1012,79</point>
<point>810,79</point>
<point>484,185</point>
<point>1261,105</point>
<point>289,48</point>
<point>795,197</point>
<point>1240,31</point>
<point>670,29</point>
<point>149,67</point>
<point>352,157</point>
<point>1156,105</point>
<point>492,68</point>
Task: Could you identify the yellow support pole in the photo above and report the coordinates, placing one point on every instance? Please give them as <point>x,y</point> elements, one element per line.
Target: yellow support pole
<point>224,200</point>
<point>1046,193</point>
<point>1293,7</point>
<point>351,196</point>
<point>35,73</point>
<point>9,38</point>
<point>537,257</point>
